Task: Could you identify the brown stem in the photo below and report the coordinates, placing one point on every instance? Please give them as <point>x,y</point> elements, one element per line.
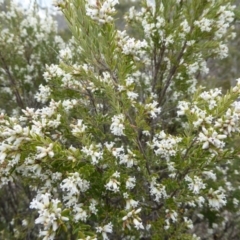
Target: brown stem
<point>157,65</point>
<point>171,73</point>
<point>13,83</point>
<point>140,145</point>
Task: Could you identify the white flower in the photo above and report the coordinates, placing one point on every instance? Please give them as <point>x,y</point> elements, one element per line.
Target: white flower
<point>165,145</point>
<point>132,217</point>
<point>74,184</point>
<point>113,185</point>
<point>49,212</point>
<point>128,159</point>
<point>101,12</point>
<point>195,184</point>
<point>216,199</point>
<point>204,24</point>
<point>210,175</point>
<point>126,195</point>
<point>116,174</point>
<point>65,54</point>
<point>78,128</point>
<point>183,106</point>
<point>192,68</point>
<point>24,222</point>
<point>146,133</point>
<point>151,4</point>
<point>185,26</point>
<point>130,46</point>
<point>137,224</point>
<point>130,204</point>
<point>80,214</point>
<point>235,202</point>
<point>209,136</point>
<point>53,71</point>
<point>152,109</point>
<point>200,201</point>
<point>43,95</point>
<point>69,104</point>
<point>104,230</point>
<point>157,190</point>
<point>188,222</point>
<point>117,125</point>
<point>171,214</point>
<point>92,206</point>
<point>131,182</point>
<point>132,95</point>
<point>45,151</point>
<point>93,151</point>
<point>211,97</point>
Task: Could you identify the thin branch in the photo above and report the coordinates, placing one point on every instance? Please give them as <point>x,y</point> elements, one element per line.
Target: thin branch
<point>157,65</point>
<point>13,82</point>
<point>188,149</point>
<point>171,73</point>
<point>140,144</point>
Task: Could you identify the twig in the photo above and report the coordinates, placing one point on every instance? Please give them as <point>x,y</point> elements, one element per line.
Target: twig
<point>171,73</point>
<point>12,82</point>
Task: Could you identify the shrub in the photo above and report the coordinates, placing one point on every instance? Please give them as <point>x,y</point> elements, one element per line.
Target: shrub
<point>129,144</point>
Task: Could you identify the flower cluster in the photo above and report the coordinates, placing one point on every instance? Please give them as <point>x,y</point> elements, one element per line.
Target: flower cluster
<point>31,42</point>
<point>157,190</point>
<point>117,125</point>
<point>49,214</point>
<point>165,146</point>
<point>101,11</point>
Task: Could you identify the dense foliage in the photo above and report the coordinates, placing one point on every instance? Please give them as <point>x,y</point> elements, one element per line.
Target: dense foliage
<point>27,43</point>
<point>125,142</point>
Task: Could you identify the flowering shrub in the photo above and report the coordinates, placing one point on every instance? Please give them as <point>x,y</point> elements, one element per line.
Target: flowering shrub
<point>27,43</point>
<point>129,145</point>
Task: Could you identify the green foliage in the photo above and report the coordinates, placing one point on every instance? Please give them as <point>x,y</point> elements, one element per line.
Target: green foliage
<point>127,144</point>
<point>28,42</point>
